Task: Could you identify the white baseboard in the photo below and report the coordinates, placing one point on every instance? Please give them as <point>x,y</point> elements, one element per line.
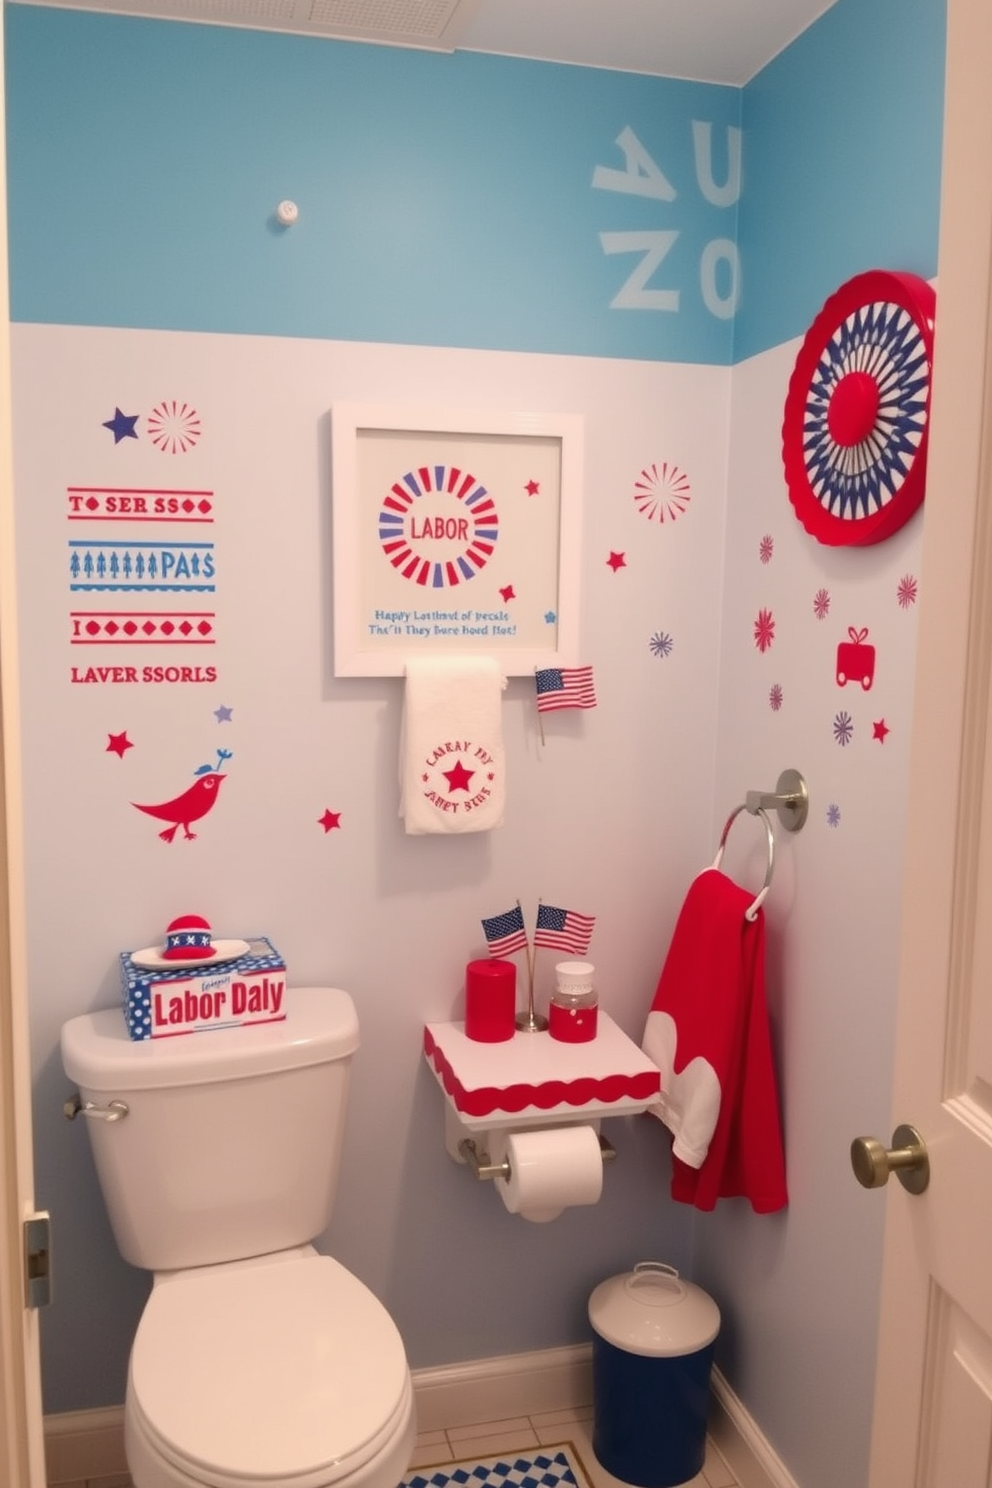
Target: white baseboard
<point>750,1455</point>
<point>81,1445</point>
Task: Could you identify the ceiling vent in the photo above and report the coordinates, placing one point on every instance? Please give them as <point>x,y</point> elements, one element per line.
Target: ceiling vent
<point>432,24</point>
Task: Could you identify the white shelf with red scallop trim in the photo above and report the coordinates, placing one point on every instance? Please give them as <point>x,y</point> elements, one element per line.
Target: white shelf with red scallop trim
<point>535,1080</point>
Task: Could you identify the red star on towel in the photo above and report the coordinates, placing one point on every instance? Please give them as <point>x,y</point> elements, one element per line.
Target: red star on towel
<point>457,777</point>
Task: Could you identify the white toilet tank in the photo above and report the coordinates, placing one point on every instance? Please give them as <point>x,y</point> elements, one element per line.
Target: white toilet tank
<point>232,1140</point>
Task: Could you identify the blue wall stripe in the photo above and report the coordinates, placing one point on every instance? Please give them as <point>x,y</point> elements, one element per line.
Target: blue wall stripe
<point>462,200</point>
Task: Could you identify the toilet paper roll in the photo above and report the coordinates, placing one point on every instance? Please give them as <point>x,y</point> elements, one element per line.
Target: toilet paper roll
<point>551,1169</point>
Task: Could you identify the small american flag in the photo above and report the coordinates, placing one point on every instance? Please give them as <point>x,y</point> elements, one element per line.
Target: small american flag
<point>505,933</point>
<point>563,930</point>
<point>565,687</point>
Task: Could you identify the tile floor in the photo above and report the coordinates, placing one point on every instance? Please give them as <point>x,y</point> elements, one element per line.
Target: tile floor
<point>488,1438</point>
<point>463,1442</point>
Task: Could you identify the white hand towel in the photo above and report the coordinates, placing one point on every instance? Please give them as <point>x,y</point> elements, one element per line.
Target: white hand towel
<point>452,771</point>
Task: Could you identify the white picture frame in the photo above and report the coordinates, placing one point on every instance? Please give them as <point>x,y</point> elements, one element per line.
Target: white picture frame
<point>454,530</point>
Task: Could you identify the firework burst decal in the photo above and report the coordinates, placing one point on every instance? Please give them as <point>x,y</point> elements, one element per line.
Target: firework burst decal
<point>764,630</point>
<point>843,729</point>
<point>906,592</point>
<point>174,427</point>
<point>662,492</point>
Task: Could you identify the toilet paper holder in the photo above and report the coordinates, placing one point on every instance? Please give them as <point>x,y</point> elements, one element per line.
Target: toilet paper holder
<point>483,1168</point>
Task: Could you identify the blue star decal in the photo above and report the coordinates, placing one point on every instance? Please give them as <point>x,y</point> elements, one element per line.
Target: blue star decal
<point>122,425</point>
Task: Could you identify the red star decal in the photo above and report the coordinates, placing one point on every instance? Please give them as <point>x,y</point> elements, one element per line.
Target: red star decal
<point>457,777</point>
<point>119,744</point>
<point>507,593</point>
<point>617,560</point>
<point>532,487</point>
<point>330,820</point>
<point>879,730</point>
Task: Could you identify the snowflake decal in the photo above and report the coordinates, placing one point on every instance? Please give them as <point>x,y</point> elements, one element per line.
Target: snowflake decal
<point>833,815</point>
<point>775,697</point>
<point>843,729</point>
<point>661,643</point>
<point>766,548</point>
<point>764,630</point>
<point>821,604</point>
<point>906,591</point>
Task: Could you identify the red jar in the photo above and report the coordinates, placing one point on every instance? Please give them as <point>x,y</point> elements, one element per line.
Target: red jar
<point>572,1016</point>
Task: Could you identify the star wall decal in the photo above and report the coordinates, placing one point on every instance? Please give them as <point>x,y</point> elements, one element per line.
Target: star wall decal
<point>223,715</point>
<point>879,730</point>
<point>507,593</point>
<point>330,820</point>
<point>118,744</point>
<point>532,487</point>
<point>616,561</point>
<point>122,425</point>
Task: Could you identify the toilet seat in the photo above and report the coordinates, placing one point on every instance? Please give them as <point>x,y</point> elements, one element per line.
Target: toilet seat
<point>281,1370</point>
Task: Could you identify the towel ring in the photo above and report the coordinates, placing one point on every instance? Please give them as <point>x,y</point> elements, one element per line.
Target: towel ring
<point>751,913</point>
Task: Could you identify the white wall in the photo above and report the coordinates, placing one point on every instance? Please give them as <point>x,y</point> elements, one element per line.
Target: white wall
<point>611,816</point>
<point>804,1285</point>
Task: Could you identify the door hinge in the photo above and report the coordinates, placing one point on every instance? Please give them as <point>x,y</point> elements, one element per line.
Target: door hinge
<point>38,1260</point>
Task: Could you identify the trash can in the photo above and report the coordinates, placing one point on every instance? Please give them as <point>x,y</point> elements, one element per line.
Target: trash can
<point>651,1360</point>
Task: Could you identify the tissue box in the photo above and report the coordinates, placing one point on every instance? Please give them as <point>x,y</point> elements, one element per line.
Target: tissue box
<point>249,989</point>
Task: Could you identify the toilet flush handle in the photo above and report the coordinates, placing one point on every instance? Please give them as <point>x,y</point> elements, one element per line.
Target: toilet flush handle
<point>115,1110</point>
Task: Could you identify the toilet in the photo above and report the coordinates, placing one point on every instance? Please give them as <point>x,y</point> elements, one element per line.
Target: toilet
<point>257,1362</point>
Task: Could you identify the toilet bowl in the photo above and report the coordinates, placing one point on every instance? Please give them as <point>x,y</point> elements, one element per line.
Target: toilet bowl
<point>255,1364</point>
<point>285,1370</point>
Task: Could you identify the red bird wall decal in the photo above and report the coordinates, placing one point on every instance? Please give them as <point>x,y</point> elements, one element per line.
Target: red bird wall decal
<point>192,804</point>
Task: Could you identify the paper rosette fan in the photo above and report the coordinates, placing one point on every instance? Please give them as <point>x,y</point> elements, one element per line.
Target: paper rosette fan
<point>854,436</point>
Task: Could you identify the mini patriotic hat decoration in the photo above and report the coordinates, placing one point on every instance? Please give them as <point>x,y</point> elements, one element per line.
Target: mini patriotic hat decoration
<point>189,938</point>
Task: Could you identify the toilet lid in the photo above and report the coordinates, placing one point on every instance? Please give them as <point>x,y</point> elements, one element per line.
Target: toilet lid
<point>284,1370</point>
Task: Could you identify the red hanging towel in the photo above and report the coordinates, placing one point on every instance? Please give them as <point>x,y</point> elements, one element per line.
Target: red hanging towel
<point>708,1033</point>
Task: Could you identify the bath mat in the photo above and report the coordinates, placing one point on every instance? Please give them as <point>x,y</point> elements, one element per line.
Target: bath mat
<point>534,1467</point>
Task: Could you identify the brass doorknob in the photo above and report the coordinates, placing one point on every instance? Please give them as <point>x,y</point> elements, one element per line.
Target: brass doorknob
<point>907,1158</point>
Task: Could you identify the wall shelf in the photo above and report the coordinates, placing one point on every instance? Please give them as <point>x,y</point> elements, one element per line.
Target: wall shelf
<point>533,1079</point>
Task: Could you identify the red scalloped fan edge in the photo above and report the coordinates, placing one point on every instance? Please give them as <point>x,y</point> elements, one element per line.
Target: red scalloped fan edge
<point>917,296</point>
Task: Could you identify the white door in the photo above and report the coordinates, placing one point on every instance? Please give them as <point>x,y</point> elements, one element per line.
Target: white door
<point>933,1404</point>
<point>21,1443</point>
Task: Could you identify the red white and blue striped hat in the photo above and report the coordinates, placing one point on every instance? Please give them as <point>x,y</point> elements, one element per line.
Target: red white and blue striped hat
<point>189,938</point>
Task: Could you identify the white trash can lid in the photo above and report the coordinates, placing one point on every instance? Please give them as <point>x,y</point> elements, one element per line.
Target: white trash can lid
<point>651,1311</point>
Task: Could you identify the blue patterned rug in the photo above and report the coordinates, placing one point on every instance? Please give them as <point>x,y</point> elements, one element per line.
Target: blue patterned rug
<point>535,1467</point>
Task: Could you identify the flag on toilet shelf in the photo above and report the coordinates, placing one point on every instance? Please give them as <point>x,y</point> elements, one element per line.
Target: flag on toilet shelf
<point>505,933</point>
<point>563,929</point>
<point>564,687</point>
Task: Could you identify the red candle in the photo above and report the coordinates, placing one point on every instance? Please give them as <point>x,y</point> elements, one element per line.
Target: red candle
<point>490,1001</point>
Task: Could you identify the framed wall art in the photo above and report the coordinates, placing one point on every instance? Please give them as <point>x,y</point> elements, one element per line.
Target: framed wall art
<point>454,530</point>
